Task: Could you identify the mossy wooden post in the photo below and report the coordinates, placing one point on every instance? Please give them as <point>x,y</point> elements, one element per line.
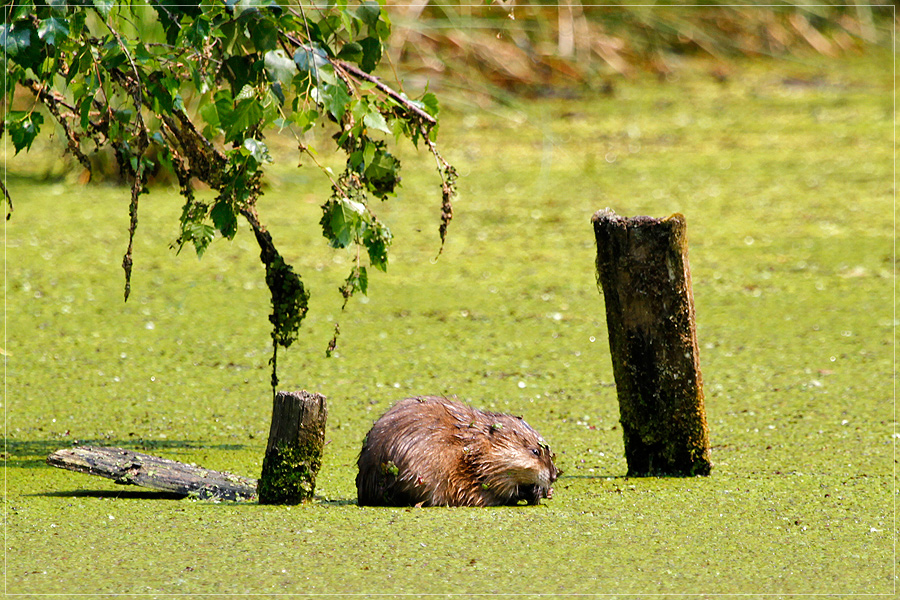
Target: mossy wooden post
<point>294,452</point>
<point>645,279</point>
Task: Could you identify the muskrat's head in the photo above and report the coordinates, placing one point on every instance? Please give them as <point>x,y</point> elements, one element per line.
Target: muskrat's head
<point>519,464</point>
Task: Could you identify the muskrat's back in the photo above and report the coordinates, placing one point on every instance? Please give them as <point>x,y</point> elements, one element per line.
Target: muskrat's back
<point>432,451</point>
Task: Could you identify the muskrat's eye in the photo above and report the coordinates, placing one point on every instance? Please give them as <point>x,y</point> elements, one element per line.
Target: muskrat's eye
<point>536,451</point>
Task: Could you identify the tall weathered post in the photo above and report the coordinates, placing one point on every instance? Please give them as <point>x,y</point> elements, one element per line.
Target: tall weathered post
<point>644,276</point>
<point>294,452</point>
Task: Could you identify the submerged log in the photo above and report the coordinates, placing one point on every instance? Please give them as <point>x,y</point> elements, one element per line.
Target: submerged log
<point>645,279</point>
<point>294,452</point>
<point>129,467</point>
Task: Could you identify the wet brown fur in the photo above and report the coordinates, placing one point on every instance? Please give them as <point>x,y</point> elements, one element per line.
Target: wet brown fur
<point>432,451</point>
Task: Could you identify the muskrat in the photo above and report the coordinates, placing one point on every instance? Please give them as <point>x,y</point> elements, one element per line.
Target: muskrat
<point>430,451</point>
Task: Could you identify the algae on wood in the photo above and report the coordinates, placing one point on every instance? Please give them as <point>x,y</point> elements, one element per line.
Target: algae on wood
<point>129,467</point>
<point>645,279</point>
<point>294,452</point>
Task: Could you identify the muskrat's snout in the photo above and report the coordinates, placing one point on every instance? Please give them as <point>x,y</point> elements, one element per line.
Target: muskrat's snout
<point>545,474</point>
<point>554,475</point>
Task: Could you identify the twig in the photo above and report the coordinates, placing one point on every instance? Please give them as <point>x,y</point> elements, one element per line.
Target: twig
<point>137,172</point>
<point>8,199</point>
<point>386,89</point>
<point>358,73</point>
<point>53,100</point>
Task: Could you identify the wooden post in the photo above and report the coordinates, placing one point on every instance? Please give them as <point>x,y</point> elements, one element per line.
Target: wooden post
<point>645,279</point>
<point>294,452</point>
<point>135,468</point>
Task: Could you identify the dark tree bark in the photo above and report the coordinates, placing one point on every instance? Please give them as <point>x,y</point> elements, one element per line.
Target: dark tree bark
<point>294,452</point>
<point>645,279</point>
<point>134,468</point>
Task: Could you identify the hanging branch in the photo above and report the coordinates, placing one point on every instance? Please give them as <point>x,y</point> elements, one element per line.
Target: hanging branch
<point>135,170</point>
<point>267,67</point>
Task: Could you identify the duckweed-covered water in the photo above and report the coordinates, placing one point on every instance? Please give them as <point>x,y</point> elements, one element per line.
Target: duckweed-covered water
<point>784,174</point>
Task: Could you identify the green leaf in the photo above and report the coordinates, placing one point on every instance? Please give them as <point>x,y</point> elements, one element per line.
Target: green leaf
<point>114,58</point>
<point>357,281</point>
<point>104,6</point>
<point>124,115</point>
<point>159,90</point>
<point>383,173</point>
<point>247,112</point>
<point>375,120</point>
<point>241,6</point>
<point>368,13</point>
<point>330,26</point>
<point>201,80</point>
<point>264,34</point>
<point>52,30</point>
<point>363,280</point>
<point>279,67</point>
<point>257,149</point>
<point>372,50</point>
<point>342,221</point>
<point>335,99</point>
<point>84,110</point>
<point>197,32</point>
<point>201,235</point>
<point>210,113</point>
<point>352,52</point>
<point>75,20</point>
<point>23,128</point>
<point>172,12</point>
<point>377,239</point>
<point>369,153</point>
<point>58,7</point>
<point>19,10</point>
<point>224,218</point>
<point>305,119</point>
<point>430,104</point>
<point>9,77</point>
<point>348,21</point>
<point>278,92</point>
<point>383,27</point>
<point>246,93</point>
<point>141,54</point>
<point>239,72</point>
<point>310,59</point>
<point>14,41</point>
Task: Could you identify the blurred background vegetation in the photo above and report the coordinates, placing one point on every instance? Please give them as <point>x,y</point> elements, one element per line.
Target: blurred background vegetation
<point>475,53</point>
<point>502,49</point>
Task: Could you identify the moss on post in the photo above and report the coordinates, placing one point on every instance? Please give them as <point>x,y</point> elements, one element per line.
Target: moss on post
<point>294,452</point>
<point>645,279</point>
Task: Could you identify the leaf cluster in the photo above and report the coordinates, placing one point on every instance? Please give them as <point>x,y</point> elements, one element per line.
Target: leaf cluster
<point>125,74</point>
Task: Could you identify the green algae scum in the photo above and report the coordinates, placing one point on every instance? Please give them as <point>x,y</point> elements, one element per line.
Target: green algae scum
<point>784,174</point>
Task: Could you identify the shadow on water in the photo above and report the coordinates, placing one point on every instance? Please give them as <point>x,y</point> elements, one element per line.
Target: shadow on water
<point>33,453</point>
<point>597,476</point>
<point>336,501</point>
<point>137,494</point>
<point>116,494</point>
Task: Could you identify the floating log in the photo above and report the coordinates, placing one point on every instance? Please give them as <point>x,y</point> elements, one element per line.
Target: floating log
<point>645,279</point>
<point>294,452</point>
<point>129,467</point>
